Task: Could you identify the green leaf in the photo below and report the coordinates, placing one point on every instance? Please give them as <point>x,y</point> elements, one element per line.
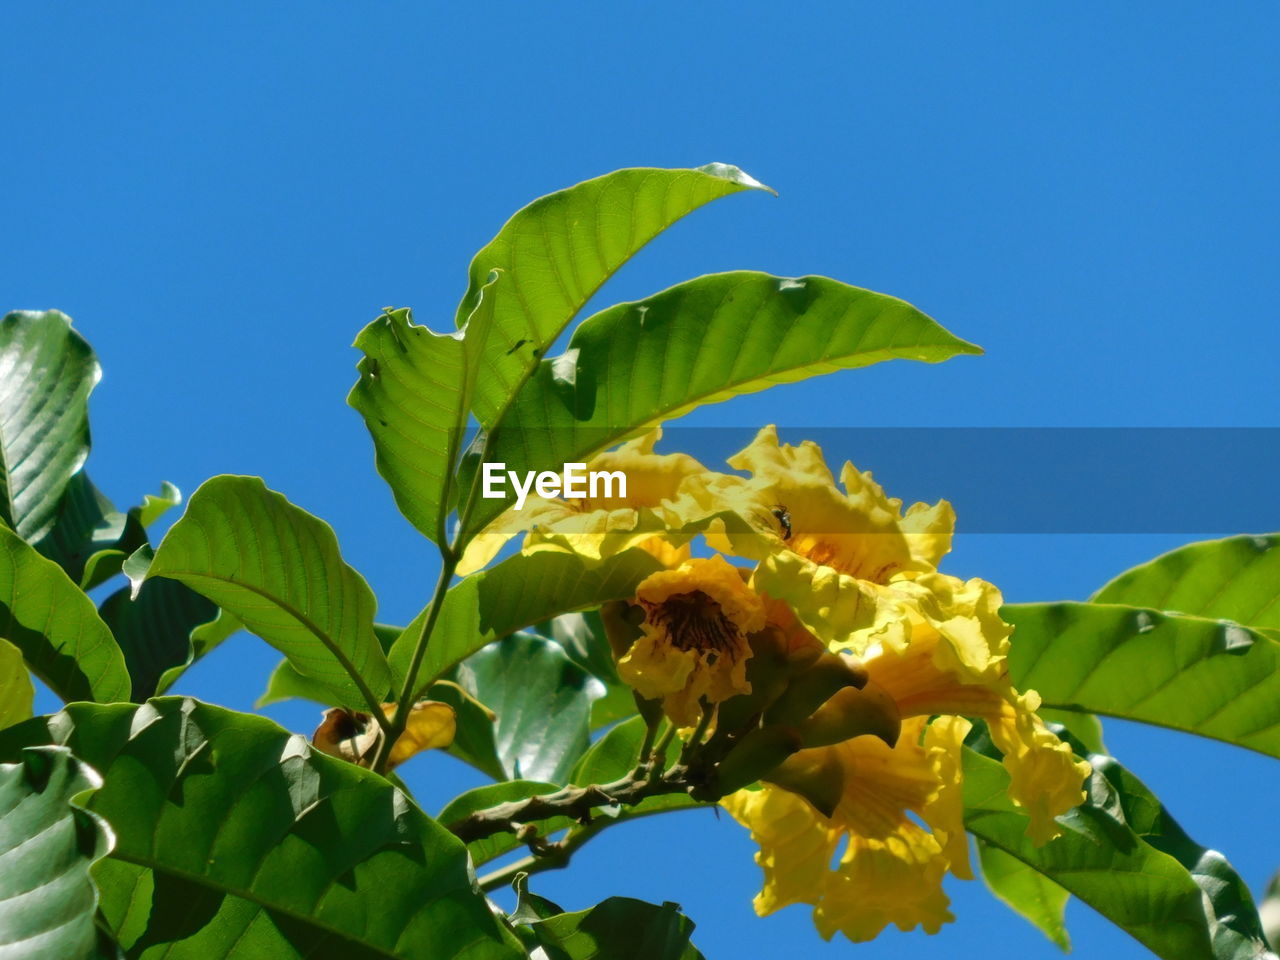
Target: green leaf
<point>1218,680</point>
<point>490,795</point>
<point>1026,891</point>
<point>1233,579</point>
<point>583,638</point>
<point>413,393</point>
<point>16,692</point>
<point>555,254</point>
<point>278,570</point>
<point>543,702</point>
<point>512,596</point>
<point>48,843</point>
<point>155,506</point>
<point>54,624</point>
<point>637,364</point>
<point>236,839</point>
<point>154,629</point>
<point>91,538</point>
<point>618,929</point>
<point>203,638</point>
<point>473,741</point>
<point>1124,855</point>
<point>1085,727</point>
<point>47,371</point>
<point>615,755</point>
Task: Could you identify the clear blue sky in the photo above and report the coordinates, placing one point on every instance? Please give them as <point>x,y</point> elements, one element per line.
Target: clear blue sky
<point>221,195</point>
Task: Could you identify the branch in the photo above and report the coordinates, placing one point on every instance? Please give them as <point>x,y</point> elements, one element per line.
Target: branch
<point>576,803</point>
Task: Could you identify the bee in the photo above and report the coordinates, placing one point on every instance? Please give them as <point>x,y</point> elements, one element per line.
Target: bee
<point>783,516</point>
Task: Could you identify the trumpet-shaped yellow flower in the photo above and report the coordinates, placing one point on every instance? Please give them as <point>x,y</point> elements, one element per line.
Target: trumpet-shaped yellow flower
<point>956,664</point>
<point>694,637</point>
<point>862,576</point>
<point>599,527</point>
<point>890,868</point>
<point>827,551</point>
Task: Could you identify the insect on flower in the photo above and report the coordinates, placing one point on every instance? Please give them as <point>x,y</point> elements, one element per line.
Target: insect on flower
<point>783,516</point>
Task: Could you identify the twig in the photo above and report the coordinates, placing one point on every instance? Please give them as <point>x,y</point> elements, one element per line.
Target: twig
<point>576,803</point>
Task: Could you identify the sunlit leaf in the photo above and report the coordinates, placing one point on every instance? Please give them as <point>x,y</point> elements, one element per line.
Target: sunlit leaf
<point>16,692</point>
<point>1215,679</point>
<point>62,638</point>
<point>1124,855</point>
<point>704,341</point>
<point>236,839</point>
<point>47,845</point>
<point>1027,891</point>
<point>554,254</point>
<point>514,595</point>
<point>414,392</point>
<point>278,570</point>
<point>47,371</point>
<point>1233,579</point>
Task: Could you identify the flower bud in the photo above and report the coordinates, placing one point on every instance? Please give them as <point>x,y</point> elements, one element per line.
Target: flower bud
<point>814,686</point>
<point>754,756</point>
<point>853,713</point>
<point>816,775</point>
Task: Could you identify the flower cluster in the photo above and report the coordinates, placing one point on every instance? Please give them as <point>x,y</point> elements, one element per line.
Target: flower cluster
<point>839,668</point>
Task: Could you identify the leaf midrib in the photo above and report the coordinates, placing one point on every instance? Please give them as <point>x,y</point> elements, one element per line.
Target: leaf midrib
<point>310,625</point>
<point>1013,852</point>
<point>307,919</point>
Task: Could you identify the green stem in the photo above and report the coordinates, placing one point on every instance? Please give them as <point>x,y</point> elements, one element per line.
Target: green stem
<point>409,692</point>
<point>539,862</point>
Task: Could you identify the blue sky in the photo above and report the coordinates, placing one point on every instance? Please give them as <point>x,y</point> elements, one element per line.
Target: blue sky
<point>222,195</point>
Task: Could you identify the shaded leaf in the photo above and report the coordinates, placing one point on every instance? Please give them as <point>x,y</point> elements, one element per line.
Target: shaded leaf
<point>47,845</point>
<point>154,629</point>
<point>542,700</point>
<point>236,839</point>
<point>1027,892</point>
<point>53,623</point>
<point>16,692</point>
<point>511,596</point>
<point>1233,579</point>
<point>91,538</point>
<point>278,570</point>
<point>1125,856</point>
<point>618,929</point>
<point>555,254</point>
<point>204,638</point>
<point>1215,679</point>
<point>583,638</point>
<point>47,371</point>
<point>637,364</point>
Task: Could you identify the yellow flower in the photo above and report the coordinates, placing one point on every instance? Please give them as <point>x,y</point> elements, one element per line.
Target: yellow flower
<point>694,637</point>
<point>862,576</point>
<point>656,501</point>
<point>826,551</point>
<point>890,868</point>
<point>952,660</point>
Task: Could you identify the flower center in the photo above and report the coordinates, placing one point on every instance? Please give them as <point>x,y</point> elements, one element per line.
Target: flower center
<point>694,621</point>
